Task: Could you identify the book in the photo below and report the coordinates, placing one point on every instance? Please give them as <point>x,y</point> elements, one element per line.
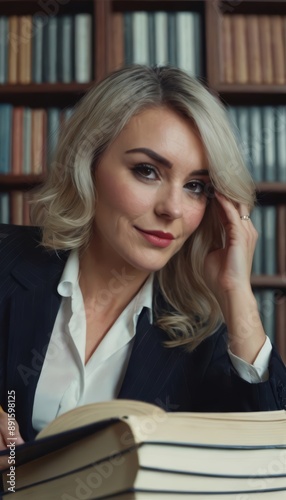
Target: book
<point>240,49</point>
<point>172,39</point>
<point>39,128</point>
<point>50,49</point>
<point>257,219</point>
<point>161,37</point>
<point>65,60</point>
<point>256,142</point>
<point>226,56</point>
<point>17,140</point>
<point>25,49</point>
<point>244,129</point>
<point>281,143</point>
<point>3,49</point>
<point>118,447</point>
<point>265,47</point>
<point>53,129</point>
<point>254,55</point>
<point>278,49</point>
<point>13,48</point>
<point>4,208</point>
<point>27,141</point>
<point>140,37</point>
<point>6,111</point>
<point>281,233</point>
<point>117,48</point>
<point>198,30</point>
<point>269,144</point>
<point>83,47</point>
<point>151,38</point>
<point>186,47</point>
<point>128,41</point>
<point>269,239</point>
<point>37,49</point>
<point>17,207</point>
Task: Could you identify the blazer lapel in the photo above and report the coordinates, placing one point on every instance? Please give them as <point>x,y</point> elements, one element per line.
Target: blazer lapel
<point>151,366</point>
<point>33,309</point>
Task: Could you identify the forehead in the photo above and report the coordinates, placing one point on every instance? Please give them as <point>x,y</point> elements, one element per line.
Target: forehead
<point>166,132</point>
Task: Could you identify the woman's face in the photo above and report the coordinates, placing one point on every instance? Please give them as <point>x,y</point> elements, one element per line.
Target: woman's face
<point>151,191</point>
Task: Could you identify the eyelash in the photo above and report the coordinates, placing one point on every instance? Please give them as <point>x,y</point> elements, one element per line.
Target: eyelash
<point>138,171</point>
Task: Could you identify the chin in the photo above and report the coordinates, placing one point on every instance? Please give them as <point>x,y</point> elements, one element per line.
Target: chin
<point>150,267</point>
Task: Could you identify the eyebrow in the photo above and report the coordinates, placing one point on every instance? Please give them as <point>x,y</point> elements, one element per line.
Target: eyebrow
<point>163,161</point>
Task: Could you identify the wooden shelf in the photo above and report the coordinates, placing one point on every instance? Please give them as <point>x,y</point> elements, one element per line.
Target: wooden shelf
<point>268,281</point>
<point>250,94</point>
<point>170,5</point>
<point>252,6</point>
<point>36,95</point>
<point>44,8</point>
<point>45,88</point>
<point>271,193</point>
<point>9,182</point>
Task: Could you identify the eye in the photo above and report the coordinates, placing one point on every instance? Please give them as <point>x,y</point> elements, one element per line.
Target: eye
<point>146,171</point>
<point>196,187</point>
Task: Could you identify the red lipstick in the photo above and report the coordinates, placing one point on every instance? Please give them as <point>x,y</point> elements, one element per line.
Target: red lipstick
<point>157,238</point>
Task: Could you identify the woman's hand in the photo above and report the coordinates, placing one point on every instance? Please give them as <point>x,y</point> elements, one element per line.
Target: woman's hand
<point>227,274</point>
<point>228,269</point>
<point>4,435</point>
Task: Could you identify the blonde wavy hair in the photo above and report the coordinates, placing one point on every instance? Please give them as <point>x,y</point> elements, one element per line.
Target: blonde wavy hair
<point>64,206</point>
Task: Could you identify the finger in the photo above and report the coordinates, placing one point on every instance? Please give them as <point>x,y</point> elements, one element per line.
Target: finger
<point>244,212</point>
<point>234,213</point>
<point>232,221</point>
<point>230,211</point>
<point>4,431</point>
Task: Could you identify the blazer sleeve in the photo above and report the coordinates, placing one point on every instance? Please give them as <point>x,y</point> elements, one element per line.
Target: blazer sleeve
<point>223,390</point>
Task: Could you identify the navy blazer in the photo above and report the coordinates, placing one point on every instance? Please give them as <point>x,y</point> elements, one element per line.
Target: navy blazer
<point>172,378</point>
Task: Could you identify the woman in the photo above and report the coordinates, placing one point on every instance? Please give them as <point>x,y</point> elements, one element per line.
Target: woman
<point>135,280</point>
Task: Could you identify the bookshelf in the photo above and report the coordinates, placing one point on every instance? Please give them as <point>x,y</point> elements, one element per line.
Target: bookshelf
<point>108,53</point>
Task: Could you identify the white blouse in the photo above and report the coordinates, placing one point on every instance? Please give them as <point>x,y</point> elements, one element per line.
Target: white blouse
<point>66,381</point>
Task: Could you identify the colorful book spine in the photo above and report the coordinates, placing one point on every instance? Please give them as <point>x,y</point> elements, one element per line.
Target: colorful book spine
<point>140,37</point>
<point>25,49</point>
<point>261,132</point>
<point>46,49</point>
<point>6,111</point>
<point>253,49</point>
<point>83,48</point>
<point>161,35</point>
<point>66,49</point>
<point>38,49</point>
<point>4,208</point>
<point>164,38</point>
<point>3,49</point>
<point>28,137</point>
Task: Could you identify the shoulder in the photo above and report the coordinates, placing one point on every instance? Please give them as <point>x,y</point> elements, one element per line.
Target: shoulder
<point>16,241</point>
<point>21,246</point>
<point>11,234</point>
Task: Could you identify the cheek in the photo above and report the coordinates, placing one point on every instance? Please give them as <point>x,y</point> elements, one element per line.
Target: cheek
<point>122,198</point>
<point>192,219</point>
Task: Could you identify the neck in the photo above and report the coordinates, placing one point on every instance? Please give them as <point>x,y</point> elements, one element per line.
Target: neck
<point>108,285</point>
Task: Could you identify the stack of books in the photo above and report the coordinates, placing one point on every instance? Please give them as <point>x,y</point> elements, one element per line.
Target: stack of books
<point>131,450</point>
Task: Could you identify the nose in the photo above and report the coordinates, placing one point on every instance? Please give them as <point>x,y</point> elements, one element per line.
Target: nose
<point>169,203</point>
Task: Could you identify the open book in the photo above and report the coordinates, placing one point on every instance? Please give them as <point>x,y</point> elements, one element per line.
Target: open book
<point>132,450</point>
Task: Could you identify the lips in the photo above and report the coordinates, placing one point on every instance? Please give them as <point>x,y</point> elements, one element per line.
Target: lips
<point>158,239</point>
<point>159,234</point>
